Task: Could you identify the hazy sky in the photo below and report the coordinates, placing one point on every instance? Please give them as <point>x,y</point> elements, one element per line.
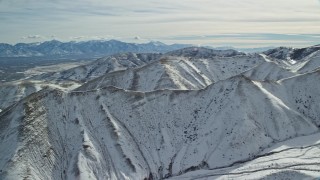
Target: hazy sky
<point>245,23</point>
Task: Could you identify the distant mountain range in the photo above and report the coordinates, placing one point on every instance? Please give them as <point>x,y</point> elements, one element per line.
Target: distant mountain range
<point>86,48</point>
<point>96,48</point>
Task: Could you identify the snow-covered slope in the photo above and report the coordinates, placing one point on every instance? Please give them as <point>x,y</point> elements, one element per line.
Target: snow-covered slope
<point>101,66</point>
<point>69,79</point>
<point>296,158</point>
<point>178,72</point>
<point>269,71</point>
<point>13,92</point>
<point>297,61</point>
<point>118,134</point>
<point>279,53</point>
<point>309,64</point>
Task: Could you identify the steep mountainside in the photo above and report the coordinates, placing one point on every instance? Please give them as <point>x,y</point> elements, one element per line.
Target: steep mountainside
<point>275,162</point>
<point>98,134</point>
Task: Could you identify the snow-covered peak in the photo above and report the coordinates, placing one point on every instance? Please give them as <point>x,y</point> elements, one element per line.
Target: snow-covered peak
<point>279,53</point>
<point>156,43</point>
<point>296,54</point>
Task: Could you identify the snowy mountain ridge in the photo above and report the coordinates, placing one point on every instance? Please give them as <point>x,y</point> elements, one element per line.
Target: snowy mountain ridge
<point>176,72</point>
<point>101,66</point>
<point>291,53</point>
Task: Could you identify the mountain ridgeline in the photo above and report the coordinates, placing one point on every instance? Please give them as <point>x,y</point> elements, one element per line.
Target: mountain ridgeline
<point>191,113</point>
<point>83,49</point>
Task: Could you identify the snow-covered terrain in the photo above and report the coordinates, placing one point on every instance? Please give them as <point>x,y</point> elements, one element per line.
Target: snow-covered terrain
<point>291,53</point>
<point>101,66</point>
<point>190,68</point>
<point>190,114</point>
<point>204,53</point>
<point>297,158</point>
<point>299,61</point>
<point>52,68</point>
<point>270,70</point>
<point>13,92</point>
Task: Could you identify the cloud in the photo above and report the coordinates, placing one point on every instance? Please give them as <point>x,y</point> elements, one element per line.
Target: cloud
<point>82,38</point>
<point>33,37</point>
<point>77,37</point>
<point>247,39</point>
<point>155,19</point>
<point>248,36</point>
